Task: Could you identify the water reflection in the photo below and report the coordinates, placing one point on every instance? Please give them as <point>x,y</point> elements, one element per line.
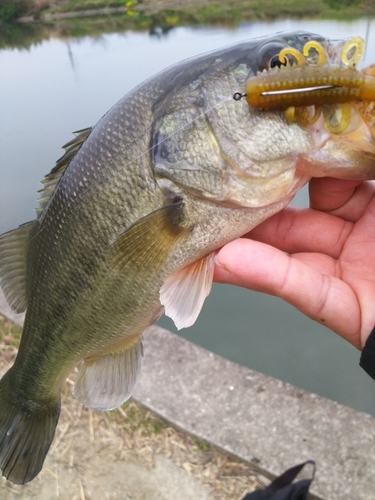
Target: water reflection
<point>158,22</point>
<point>63,84</point>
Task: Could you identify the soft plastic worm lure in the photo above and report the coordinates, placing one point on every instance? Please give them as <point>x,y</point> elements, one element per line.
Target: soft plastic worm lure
<point>305,79</point>
<point>367,108</point>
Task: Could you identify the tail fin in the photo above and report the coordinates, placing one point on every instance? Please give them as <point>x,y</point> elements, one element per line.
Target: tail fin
<point>26,433</point>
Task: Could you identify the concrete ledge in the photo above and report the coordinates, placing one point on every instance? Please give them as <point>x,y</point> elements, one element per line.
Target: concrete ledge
<point>262,420</point>
<point>269,423</point>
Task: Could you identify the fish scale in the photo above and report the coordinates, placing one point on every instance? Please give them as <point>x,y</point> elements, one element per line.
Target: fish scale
<point>128,225</point>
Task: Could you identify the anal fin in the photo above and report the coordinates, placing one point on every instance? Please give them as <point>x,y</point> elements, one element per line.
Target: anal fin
<point>105,382</point>
<point>184,293</point>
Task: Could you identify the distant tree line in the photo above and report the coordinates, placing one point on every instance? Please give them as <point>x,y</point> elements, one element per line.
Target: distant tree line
<point>10,9</point>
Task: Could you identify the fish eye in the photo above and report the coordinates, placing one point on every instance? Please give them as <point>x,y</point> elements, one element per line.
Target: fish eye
<point>269,53</point>
<point>276,63</point>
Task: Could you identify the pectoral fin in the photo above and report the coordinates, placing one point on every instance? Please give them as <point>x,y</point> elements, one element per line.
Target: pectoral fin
<point>184,293</point>
<point>105,382</point>
<point>146,245</point>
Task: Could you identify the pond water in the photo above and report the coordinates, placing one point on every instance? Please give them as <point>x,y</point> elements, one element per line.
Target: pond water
<point>61,85</point>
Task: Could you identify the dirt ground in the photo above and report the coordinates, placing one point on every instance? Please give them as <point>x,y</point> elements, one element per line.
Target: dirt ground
<point>128,454</point>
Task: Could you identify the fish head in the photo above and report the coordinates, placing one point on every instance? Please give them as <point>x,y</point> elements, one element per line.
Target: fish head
<point>316,82</point>
<point>213,138</point>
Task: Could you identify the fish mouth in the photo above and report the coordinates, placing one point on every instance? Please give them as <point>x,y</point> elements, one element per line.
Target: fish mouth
<point>315,75</point>
<point>304,83</point>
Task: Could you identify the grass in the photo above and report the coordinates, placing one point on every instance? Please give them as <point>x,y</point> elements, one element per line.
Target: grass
<point>146,16</point>
<point>10,334</point>
<point>77,5</point>
<point>212,11</point>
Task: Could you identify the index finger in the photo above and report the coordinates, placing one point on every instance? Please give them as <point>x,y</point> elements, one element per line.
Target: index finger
<point>296,230</point>
<point>343,198</point>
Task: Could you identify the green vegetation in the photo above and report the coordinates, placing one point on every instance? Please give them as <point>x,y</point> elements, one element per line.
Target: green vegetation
<point>213,11</point>
<point>76,5</point>
<point>139,417</point>
<point>342,4</point>
<point>10,9</point>
<point>10,333</point>
<point>13,9</point>
<point>143,15</point>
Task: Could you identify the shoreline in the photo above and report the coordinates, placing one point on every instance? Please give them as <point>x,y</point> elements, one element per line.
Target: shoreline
<point>253,8</point>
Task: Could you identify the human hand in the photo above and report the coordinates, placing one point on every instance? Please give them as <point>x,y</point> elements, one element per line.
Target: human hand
<point>328,272</point>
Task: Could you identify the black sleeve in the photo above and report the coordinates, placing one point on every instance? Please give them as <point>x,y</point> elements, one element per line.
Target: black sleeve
<point>367,361</point>
<point>283,488</point>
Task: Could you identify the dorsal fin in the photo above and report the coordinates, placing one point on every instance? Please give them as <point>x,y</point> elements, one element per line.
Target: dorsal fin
<point>14,245</point>
<point>51,180</point>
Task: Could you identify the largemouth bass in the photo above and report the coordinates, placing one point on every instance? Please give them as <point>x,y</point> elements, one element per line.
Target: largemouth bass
<point>132,214</point>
